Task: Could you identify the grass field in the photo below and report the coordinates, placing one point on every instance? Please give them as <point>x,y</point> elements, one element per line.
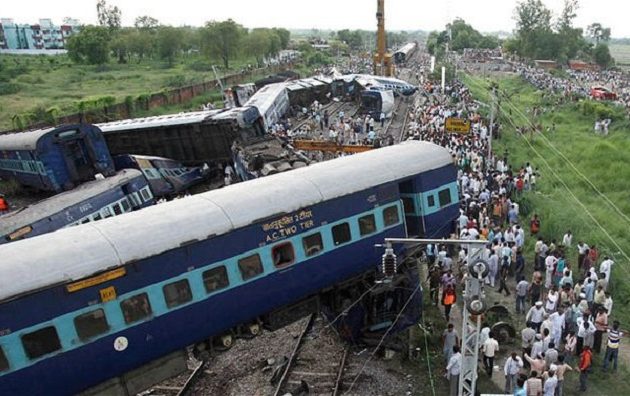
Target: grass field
<point>621,53</point>
<point>45,82</point>
<point>603,160</point>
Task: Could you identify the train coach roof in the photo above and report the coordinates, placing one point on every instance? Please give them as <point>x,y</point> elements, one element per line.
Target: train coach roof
<point>406,48</point>
<point>265,97</point>
<point>46,208</point>
<point>158,121</point>
<point>23,140</point>
<point>77,252</point>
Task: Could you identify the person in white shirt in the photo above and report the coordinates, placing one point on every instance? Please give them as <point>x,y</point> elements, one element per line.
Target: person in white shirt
<point>490,347</point>
<point>453,369</point>
<point>552,382</point>
<point>567,238</point>
<point>605,267</point>
<point>511,369</point>
<point>550,265</point>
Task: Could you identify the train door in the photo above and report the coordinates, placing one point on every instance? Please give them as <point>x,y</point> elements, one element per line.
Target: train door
<point>412,208</point>
<point>80,165</point>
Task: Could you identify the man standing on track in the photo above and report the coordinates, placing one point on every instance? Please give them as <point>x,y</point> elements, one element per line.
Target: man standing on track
<point>490,347</point>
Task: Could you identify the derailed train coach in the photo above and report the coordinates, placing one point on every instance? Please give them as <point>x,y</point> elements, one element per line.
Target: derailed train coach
<point>302,93</point>
<point>92,201</point>
<point>116,303</point>
<point>405,53</point>
<point>55,159</point>
<point>191,138</point>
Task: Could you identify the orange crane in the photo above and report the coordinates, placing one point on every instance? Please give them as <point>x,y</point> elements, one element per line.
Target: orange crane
<point>328,146</point>
<point>383,61</point>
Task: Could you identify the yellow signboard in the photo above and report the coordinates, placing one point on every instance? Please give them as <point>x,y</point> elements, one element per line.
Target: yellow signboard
<point>102,278</point>
<point>108,294</point>
<point>20,233</point>
<point>457,125</point>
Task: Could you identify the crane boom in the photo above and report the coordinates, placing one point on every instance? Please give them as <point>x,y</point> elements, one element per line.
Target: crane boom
<point>383,62</point>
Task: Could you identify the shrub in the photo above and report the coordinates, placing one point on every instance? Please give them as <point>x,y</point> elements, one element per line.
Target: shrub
<point>7,88</point>
<point>200,66</point>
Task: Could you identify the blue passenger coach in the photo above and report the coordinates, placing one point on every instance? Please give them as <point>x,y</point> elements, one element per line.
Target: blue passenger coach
<point>93,303</point>
<point>124,192</point>
<point>55,159</point>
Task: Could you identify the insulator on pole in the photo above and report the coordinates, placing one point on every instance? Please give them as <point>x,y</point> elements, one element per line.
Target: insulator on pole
<point>389,263</point>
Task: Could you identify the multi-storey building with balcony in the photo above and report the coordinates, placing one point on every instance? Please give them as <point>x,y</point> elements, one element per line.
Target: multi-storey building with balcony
<point>42,36</point>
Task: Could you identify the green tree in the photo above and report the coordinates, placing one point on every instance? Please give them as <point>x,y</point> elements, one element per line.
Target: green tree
<point>601,55</point>
<point>169,43</point>
<point>533,23</point>
<point>142,43</point>
<point>146,22</point>
<point>284,35</point>
<point>257,44</point>
<point>108,16</point>
<point>91,45</point>
<point>598,32</point>
<point>222,40</point>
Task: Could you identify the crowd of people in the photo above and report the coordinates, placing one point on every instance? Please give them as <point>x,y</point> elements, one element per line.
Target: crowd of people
<point>566,304</point>
<point>578,84</point>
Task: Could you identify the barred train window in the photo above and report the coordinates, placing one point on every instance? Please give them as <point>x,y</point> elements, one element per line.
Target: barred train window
<point>367,225</point>
<point>283,255</point>
<point>136,308</point>
<point>41,342</point>
<point>390,216</point>
<point>91,324</point>
<point>408,205</point>
<point>341,233</point>
<point>312,244</point>
<point>215,279</point>
<point>177,293</point>
<point>250,267</point>
<point>445,197</point>
<point>431,200</point>
<point>4,363</point>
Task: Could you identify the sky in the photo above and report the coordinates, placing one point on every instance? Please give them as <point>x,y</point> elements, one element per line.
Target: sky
<point>484,15</point>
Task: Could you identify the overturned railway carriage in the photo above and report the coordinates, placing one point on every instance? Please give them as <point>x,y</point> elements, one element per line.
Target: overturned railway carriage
<point>166,177</point>
<point>102,300</point>
<point>95,200</point>
<point>55,159</point>
<point>304,92</point>
<point>272,102</point>
<point>191,138</point>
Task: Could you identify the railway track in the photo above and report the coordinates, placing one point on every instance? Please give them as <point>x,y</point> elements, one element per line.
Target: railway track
<point>315,368</point>
<point>178,390</point>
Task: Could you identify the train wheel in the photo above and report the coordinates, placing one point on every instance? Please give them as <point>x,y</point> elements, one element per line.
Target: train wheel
<point>254,329</point>
<point>226,341</point>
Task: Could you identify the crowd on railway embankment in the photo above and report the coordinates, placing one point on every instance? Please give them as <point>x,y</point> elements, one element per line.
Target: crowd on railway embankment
<point>560,290</point>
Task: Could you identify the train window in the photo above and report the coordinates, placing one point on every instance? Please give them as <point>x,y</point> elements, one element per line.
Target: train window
<point>431,201</point>
<point>96,217</point>
<point>390,216</point>
<point>125,205</point>
<point>250,267</point>
<point>408,205</point>
<point>117,209</point>
<point>4,363</point>
<point>106,212</point>
<point>91,324</point>
<point>312,244</point>
<point>136,308</point>
<point>283,255</point>
<point>86,220</point>
<point>341,233</point>
<point>367,225</point>
<point>41,342</point>
<point>146,195</point>
<point>215,279</point>
<point>177,293</point>
<point>445,197</point>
